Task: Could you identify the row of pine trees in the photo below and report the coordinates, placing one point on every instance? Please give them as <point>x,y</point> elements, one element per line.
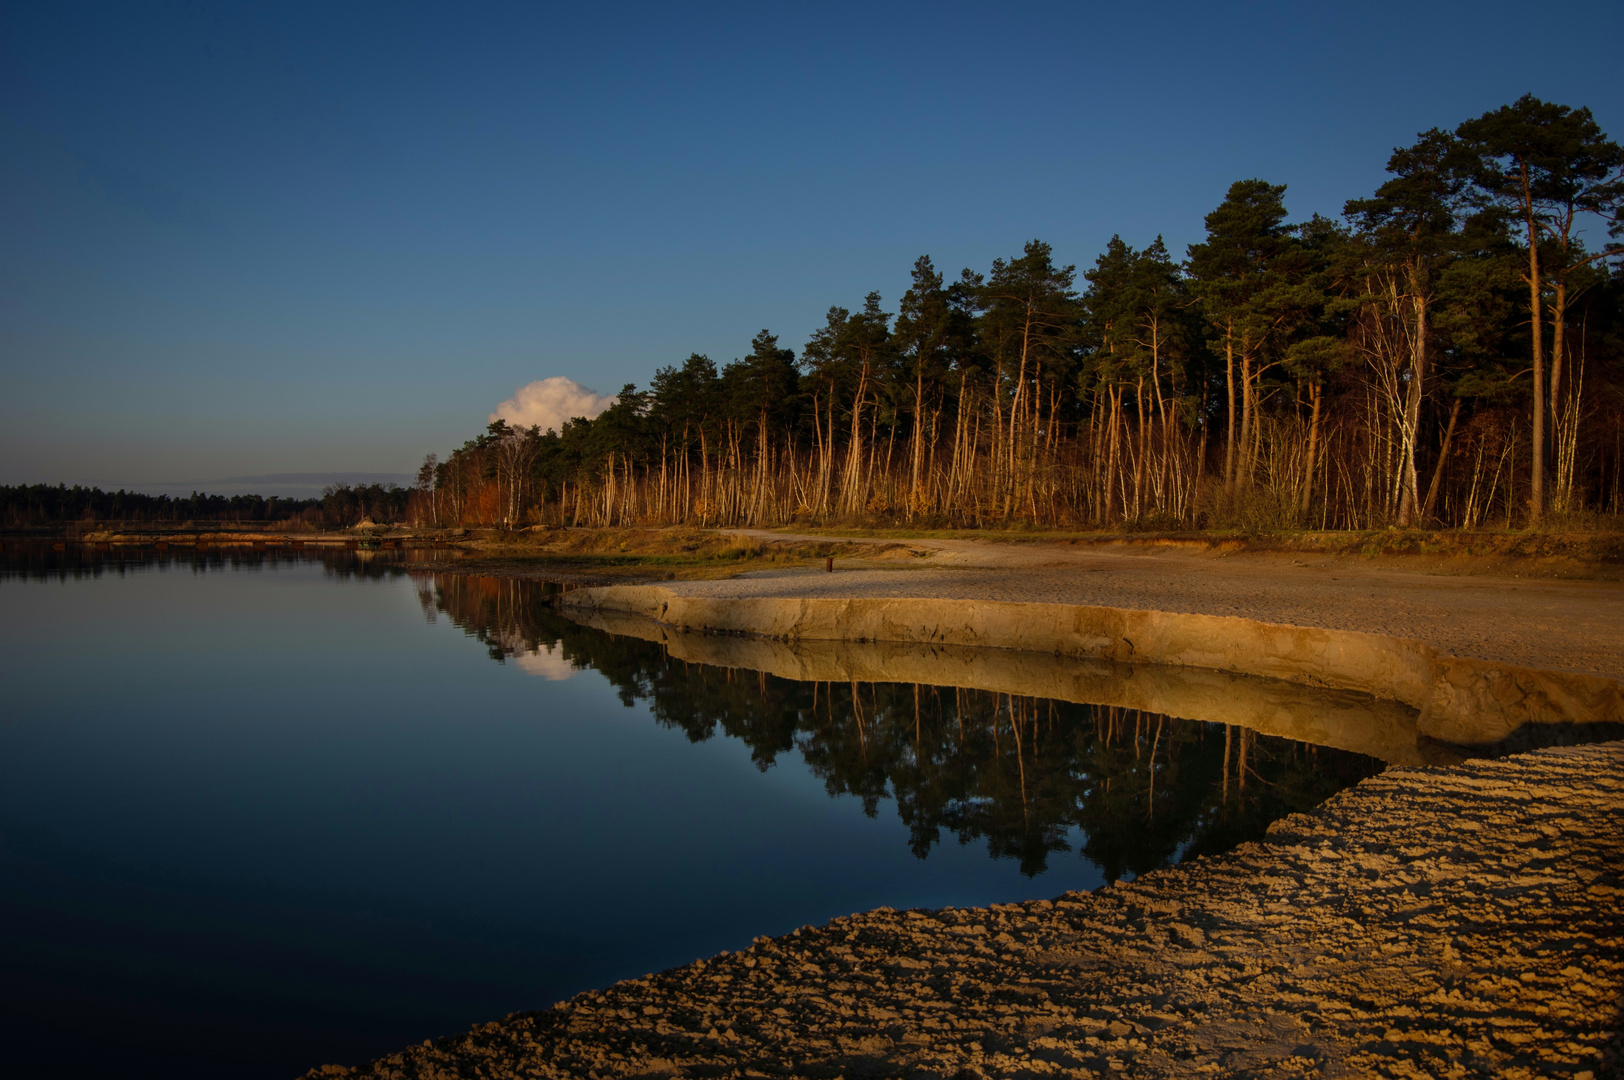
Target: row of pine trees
<point>1449,352</point>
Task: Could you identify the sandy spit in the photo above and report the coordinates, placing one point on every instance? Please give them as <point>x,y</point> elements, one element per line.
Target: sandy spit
<point>1528,621</point>
<point>1427,922</point>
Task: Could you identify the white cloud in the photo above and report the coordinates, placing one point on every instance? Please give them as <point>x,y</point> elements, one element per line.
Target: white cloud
<point>549,665</point>
<point>549,403</point>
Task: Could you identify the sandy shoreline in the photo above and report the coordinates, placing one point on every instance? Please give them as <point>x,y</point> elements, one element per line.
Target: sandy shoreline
<point>1460,921</point>
<point>1561,625</point>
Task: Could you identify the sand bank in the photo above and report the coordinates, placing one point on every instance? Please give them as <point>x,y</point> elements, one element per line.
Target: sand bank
<point>1460,700</point>
<point>1444,922</point>
<point>1429,921</point>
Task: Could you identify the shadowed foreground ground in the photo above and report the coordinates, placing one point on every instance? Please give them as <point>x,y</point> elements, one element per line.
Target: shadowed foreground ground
<point>1442,922</point>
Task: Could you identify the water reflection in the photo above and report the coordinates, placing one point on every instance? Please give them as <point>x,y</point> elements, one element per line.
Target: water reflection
<point>1139,766</point>
<point>1025,775</point>
<point>248,799</point>
<point>40,561</point>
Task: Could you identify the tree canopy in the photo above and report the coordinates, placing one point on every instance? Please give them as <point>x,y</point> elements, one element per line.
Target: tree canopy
<point>1447,351</point>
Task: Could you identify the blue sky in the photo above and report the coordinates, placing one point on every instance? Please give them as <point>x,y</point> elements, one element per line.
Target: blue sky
<point>264,238</point>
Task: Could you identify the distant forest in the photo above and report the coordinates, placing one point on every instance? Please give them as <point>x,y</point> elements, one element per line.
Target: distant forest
<point>26,505</point>
<point>1448,352</point>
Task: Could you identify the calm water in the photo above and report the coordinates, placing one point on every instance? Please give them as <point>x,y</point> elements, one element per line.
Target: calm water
<point>274,811</point>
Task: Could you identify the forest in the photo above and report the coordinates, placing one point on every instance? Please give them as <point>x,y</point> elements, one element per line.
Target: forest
<point>26,505</point>
<point>1448,352</point>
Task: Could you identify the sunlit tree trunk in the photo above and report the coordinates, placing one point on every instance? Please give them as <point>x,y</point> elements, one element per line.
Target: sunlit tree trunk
<point>1229,414</point>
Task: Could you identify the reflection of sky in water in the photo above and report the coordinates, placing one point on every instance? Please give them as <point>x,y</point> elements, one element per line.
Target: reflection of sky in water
<point>279,810</point>
<point>547,662</point>
<point>282,810</point>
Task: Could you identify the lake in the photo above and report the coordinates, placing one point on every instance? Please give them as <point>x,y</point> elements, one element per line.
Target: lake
<point>262,810</point>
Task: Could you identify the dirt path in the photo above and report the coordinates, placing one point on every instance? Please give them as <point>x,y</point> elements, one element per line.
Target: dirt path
<point>1428,922</point>
<point>1534,622</point>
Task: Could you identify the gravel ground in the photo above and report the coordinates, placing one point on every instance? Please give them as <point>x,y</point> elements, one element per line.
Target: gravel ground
<point>1427,922</point>
<point>1533,622</point>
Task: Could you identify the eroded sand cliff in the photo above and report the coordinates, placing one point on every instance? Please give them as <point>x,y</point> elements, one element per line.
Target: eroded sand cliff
<point>1460,700</point>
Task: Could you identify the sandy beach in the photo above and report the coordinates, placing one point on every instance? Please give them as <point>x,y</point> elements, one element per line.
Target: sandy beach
<point>1504,615</point>
<point>1429,921</point>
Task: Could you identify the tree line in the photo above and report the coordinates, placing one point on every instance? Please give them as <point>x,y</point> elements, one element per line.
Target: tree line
<point>36,505</point>
<point>82,562</point>
<point>1446,352</point>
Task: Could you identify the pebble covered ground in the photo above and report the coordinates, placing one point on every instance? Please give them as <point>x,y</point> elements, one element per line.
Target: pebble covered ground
<point>1443,922</point>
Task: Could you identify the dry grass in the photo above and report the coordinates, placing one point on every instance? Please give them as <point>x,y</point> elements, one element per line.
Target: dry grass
<point>670,554</point>
<point>1579,550</point>
<point>683,553</point>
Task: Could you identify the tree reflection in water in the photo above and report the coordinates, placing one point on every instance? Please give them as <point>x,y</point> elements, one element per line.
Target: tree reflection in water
<point>1025,775</point>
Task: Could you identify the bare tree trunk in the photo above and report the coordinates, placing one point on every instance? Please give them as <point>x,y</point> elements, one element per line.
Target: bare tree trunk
<point>1559,319</point>
<point>1314,396</point>
<point>1020,386</point>
<point>1248,418</point>
<point>1562,496</point>
<point>1443,458</point>
<point>918,437</point>
<point>849,496</point>
<point>1412,411</point>
<point>1536,323</point>
<point>1111,451</point>
<point>1229,425</point>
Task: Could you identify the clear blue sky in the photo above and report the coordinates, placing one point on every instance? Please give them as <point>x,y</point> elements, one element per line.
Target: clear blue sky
<point>279,237</point>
